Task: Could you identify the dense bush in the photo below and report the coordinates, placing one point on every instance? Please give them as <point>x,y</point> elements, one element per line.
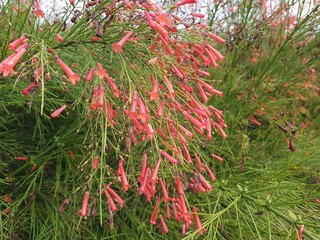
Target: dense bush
<point>127,119</point>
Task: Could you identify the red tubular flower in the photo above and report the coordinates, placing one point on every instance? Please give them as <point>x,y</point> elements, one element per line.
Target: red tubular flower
<point>101,73</point>
<point>115,195</point>
<point>154,94</point>
<point>164,225</point>
<point>58,111</point>
<point>116,91</point>
<point>117,47</point>
<point>198,162</point>
<point>95,163</point>
<point>72,77</point>
<point>199,15</point>
<point>217,38</point>
<point>198,222</point>
<point>153,178</point>
<point>194,121</point>
<point>72,2</point>
<point>186,153</point>
<point>153,218</point>
<point>162,134</point>
<point>184,2</point>
<point>144,167</point>
<point>90,75</point>
<point>164,191</point>
<point>128,4</point>
<point>21,158</point>
<point>151,23</point>
<point>24,45</point>
<point>205,183</point>
<point>168,157</point>
<point>124,180</point>
<point>169,86</point>
<point>59,38</point>
<point>143,114</point>
<point>212,58</point>
<point>220,131</point>
<point>204,59</point>
<point>215,53</point>
<point>161,30</point>
<point>142,188</point>
<point>166,46</point>
<point>254,121</point>
<point>168,214</point>
<point>13,45</point>
<point>112,205</point>
<point>26,91</point>
<point>179,186</point>
<point>38,12</point>
<point>213,178</point>
<point>149,130</point>
<point>7,65</point>
<point>220,159</point>
<point>301,229</point>
<point>175,212</point>
<point>160,109</point>
<point>203,73</point>
<point>177,71</point>
<point>84,208</point>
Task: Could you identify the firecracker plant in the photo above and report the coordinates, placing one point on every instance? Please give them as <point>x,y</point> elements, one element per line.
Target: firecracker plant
<point>114,125</point>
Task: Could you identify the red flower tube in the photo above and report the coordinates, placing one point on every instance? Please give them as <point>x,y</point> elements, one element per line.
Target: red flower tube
<point>38,12</point>
<point>168,157</point>
<point>117,47</point>
<point>84,208</point>
<point>164,225</point>
<point>198,222</point>
<point>57,112</point>
<point>153,218</point>
<point>13,45</point>
<point>115,195</point>
<point>72,77</point>
<point>124,180</point>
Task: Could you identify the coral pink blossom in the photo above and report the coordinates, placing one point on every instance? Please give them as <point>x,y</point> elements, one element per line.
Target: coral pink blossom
<point>59,38</point>
<point>220,159</point>
<point>7,65</point>
<point>164,191</point>
<point>184,2</point>
<point>153,218</point>
<point>58,111</point>
<point>72,77</point>
<point>198,222</point>
<point>38,11</point>
<point>95,163</point>
<point>124,180</point>
<point>117,47</point>
<point>154,174</point>
<point>144,181</point>
<point>198,162</point>
<point>168,157</point>
<point>164,225</point>
<point>300,232</point>
<point>213,178</point>
<point>217,38</point>
<point>13,45</point>
<point>90,75</point>
<point>115,195</point>
<point>20,158</point>
<point>112,205</point>
<point>84,208</point>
